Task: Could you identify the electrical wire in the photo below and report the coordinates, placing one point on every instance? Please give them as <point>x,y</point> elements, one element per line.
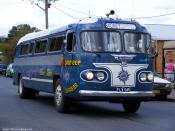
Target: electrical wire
<point>12,3</point>
<point>56,9</point>
<point>65,12</point>
<point>75,10</point>
<point>149,17</point>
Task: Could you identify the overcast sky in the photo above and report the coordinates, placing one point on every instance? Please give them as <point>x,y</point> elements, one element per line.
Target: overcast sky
<point>15,12</point>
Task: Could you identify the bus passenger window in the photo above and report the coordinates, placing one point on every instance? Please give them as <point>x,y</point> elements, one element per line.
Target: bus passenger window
<point>24,49</point>
<point>56,43</point>
<point>71,41</point>
<point>31,48</point>
<point>40,46</point>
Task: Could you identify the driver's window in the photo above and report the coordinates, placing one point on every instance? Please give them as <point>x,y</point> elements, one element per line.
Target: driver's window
<point>71,41</point>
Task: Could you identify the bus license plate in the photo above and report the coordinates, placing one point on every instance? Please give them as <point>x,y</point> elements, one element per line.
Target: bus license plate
<point>123,89</point>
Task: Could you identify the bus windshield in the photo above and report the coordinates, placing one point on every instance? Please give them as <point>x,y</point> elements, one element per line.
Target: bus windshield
<point>136,42</point>
<point>101,41</point>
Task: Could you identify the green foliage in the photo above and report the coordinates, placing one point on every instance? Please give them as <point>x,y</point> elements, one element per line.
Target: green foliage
<point>16,32</point>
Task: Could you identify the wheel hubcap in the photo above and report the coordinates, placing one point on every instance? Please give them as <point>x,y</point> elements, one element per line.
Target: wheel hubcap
<point>58,95</point>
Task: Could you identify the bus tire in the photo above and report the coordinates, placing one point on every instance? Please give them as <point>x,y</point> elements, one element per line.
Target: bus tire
<point>61,101</point>
<point>24,92</point>
<point>131,106</point>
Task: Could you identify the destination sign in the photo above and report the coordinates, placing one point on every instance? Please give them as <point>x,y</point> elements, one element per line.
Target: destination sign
<point>120,26</point>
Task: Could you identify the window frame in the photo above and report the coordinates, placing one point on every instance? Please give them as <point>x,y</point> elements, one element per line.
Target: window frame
<point>33,46</point>
<point>117,31</point>
<point>66,45</point>
<point>145,50</point>
<point>22,45</point>
<point>49,43</point>
<point>44,52</point>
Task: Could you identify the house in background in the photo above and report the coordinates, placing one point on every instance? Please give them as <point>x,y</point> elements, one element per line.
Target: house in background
<point>164,36</point>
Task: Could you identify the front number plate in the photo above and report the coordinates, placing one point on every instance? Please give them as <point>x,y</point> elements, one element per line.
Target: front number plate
<point>123,89</point>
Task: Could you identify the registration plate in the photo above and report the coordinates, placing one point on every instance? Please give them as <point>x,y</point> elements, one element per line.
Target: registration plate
<point>123,89</point>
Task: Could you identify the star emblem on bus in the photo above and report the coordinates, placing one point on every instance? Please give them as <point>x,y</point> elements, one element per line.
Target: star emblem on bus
<point>123,76</point>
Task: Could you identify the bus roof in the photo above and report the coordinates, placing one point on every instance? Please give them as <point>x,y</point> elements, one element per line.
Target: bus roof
<point>40,34</point>
<point>47,32</point>
<point>86,23</point>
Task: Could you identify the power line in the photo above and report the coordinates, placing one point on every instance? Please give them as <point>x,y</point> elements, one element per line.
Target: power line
<point>75,10</point>
<point>65,12</point>
<point>12,3</point>
<point>149,17</point>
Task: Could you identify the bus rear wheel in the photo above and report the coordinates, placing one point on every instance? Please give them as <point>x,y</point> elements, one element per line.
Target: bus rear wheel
<point>61,101</point>
<point>131,106</point>
<point>25,92</point>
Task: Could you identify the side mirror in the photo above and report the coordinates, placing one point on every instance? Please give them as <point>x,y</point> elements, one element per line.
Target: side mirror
<point>153,52</point>
<point>152,49</point>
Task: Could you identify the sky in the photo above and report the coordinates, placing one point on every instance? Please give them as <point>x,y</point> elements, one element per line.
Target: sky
<point>15,12</point>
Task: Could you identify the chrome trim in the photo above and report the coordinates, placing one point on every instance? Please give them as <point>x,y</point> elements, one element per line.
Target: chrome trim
<point>116,68</point>
<point>117,94</point>
<point>158,80</point>
<point>38,79</point>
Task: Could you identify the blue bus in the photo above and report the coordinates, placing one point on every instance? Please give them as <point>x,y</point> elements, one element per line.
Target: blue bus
<point>100,59</point>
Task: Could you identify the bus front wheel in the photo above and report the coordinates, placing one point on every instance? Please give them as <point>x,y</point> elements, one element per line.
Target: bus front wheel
<point>61,101</point>
<point>25,92</point>
<point>131,106</point>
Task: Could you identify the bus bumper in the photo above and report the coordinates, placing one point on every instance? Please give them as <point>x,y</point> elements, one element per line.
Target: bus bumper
<point>117,94</point>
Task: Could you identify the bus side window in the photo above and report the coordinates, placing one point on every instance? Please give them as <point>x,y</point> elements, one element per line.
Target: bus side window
<point>71,41</point>
<point>31,47</point>
<point>40,46</point>
<point>17,51</point>
<point>55,44</point>
<point>24,49</point>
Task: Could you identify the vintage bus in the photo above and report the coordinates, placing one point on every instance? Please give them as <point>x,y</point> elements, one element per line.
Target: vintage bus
<point>93,60</point>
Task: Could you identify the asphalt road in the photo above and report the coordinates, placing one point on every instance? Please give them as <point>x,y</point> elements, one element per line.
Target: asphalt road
<point>40,115</point>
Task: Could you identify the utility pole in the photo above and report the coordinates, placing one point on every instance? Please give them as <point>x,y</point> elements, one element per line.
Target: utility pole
<point>46,13</point>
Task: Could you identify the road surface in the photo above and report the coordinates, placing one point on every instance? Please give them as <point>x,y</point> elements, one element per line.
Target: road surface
<point>40,115</point>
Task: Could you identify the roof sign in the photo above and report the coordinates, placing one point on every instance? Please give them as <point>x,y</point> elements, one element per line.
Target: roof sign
<point>120,26</point>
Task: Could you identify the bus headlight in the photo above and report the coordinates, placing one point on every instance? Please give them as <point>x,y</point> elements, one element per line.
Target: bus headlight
<point>100,76</point>
<point>150,77</point>
<point>143,76</point>
<point>89,75</point>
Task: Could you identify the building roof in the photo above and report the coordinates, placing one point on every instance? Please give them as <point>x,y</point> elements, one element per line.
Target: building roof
<point>161,32</point>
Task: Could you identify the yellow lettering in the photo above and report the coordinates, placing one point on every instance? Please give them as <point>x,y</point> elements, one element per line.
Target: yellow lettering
<point>72,62</point>
<point>49,74</point>
<point>78,62</point>
<point>72,88</point>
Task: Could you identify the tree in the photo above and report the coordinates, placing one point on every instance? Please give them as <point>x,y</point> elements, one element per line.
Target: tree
<point>14,35</point>
<point>12,32</point>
